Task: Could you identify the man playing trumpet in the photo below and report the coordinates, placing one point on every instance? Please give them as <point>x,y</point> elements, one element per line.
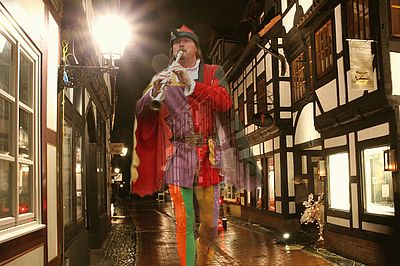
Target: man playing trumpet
<point>176,142</point>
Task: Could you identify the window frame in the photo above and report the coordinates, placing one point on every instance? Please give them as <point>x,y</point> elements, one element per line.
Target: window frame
<point>22,223</point>
<point>360,20</point>
<point>392,8</point>
<point>363,181</point>
<point>298,77</point>
<point>329,180</point>
<point>321,48</point>
<point>76,121</point>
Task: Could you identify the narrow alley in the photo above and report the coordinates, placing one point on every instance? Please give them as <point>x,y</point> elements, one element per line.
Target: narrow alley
<point>143,234</point>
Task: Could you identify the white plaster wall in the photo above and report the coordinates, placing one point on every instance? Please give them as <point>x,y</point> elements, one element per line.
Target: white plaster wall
<point>283,5</point>
<point>268,72</point>
<point>277,167</point>
<point>52,202</point>
<point>354,205</point>
<point>373,132</point>
<point>33,258</point>
<point>52,73</point>
<point>287,72</point>
<point>328,96</point>
<point>284,94</point>
<point>29,14</point>
<point>338,29</point>
<point>352,153</point>
<point>268,146</point>
<point>335,142</point>
<point>305,4</point>
<point>305,130</point>
<point>260,67</point>
<point>276,143</point>
<point>394,64</point>
<point>287,20</point>
<point>341,81</point>
<point>290,174</point>
<point>338,221</point>
<point>377,228</point>
<point>292,207</point>
<point>278,206</point>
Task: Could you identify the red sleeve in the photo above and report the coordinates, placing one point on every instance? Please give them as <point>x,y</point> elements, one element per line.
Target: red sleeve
<point>216,93</point>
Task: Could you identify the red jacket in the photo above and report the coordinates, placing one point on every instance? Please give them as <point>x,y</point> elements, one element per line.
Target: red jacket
<point>152,134</point>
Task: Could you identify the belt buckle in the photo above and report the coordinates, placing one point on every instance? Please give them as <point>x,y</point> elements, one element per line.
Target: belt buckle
<point>193,139</point>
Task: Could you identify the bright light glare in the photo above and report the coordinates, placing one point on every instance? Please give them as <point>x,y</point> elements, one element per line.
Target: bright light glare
<point>116,170</point>
<point>124,151</point>
<point>286,235</point>
<point>112,33</point>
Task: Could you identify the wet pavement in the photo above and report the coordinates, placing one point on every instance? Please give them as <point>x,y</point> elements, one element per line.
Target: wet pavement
<point>143,234</point>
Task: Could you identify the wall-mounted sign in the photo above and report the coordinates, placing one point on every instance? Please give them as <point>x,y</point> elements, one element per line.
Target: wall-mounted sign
<point>361,64</point>
<point>118,177</point>
<point>262,119</point>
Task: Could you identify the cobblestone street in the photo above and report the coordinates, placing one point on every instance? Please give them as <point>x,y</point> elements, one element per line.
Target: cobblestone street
<point>143,234</point>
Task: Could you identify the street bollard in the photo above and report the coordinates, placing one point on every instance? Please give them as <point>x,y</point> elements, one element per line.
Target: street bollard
<point>224,224</point>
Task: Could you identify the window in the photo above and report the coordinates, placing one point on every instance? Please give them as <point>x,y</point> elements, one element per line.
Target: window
<point>338,181</point>
<point>271,184</point>
<point>73,186</point>
<point>298,69</point>
<point>67,173</point>
<point>78,175</point>
<point>19,136</point>
<point>395,6</point>
<point>261,93</point>
<point>378,184</point>
<point>250,102</point>
<point>324,49</point>
<point>241,109</point>
<point>358,19</point>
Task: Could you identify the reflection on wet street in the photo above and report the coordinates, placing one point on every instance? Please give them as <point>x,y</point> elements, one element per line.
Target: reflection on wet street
<point>143,234</point>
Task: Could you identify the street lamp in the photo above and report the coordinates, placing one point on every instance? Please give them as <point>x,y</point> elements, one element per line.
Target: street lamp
<point>112,33</point>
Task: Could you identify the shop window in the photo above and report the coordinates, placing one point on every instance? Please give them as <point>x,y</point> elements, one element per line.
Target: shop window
<point>78,175</point>
<point>259,188</point>
<point>395,7</point>
<point>72,171</point>
<point>338,181</point>
<point>298,69</point>
<point>19,127</point>
<point>378,184</point>
<point>67,173</point>
<point>271,184</point>
<point>324,49</point>
<point>358,19</point>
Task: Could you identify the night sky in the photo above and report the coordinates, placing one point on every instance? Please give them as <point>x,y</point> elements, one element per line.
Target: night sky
<point>148,49</point>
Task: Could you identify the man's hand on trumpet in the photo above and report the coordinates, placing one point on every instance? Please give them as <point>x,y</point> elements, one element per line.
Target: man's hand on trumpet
<point>181,73</point>
<point>161,78</point>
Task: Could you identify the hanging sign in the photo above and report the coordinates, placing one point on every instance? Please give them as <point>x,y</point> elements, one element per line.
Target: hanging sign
<point>361,64</point>
<point>262,119</point>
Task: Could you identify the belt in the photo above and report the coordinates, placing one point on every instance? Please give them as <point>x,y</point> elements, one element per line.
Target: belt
<point>194,139</point>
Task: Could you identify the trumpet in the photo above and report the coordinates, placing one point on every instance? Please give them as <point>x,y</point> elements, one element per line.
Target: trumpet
<point>155,104</point>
